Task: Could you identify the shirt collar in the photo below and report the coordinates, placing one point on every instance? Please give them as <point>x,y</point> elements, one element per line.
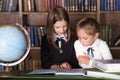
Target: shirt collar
<point>96,42</point>
<point>59,36</point>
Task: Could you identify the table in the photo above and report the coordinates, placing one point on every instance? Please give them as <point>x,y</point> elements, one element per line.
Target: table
<point>21,75</point>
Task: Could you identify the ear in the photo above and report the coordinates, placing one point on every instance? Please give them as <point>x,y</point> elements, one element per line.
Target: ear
<point>96,35</point>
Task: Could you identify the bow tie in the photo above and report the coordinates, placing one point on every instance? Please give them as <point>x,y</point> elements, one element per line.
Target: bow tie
<point>59,39</point>
<point>90,52</point>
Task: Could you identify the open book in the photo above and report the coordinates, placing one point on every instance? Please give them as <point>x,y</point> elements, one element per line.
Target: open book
<point>109,65</point>
<point>58,72</point>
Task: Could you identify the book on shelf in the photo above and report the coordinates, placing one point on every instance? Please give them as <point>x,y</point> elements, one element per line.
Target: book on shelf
<point>69,5</point>
<point>58,72</point>
<point>107,33</point>
<point>8,5</point>
<point>117,41</point>
<point>109,5</point>
<point>109,65</point>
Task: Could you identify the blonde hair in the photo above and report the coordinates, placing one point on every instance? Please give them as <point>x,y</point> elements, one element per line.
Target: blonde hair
<point>90,25</point>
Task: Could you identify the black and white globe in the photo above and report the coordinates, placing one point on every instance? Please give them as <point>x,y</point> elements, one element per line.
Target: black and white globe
<point>14,44</point>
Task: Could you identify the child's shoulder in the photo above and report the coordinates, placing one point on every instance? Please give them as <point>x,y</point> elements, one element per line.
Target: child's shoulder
<point>77,42</point>
<point>100,41</point>
<point>44,38</point>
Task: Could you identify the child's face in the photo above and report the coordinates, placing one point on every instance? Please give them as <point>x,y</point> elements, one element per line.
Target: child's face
<point>60,27</point>
<point>86,39</point>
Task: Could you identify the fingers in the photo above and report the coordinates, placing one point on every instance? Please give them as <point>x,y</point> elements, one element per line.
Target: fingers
<point>64,65</point>
<point>54,67</point>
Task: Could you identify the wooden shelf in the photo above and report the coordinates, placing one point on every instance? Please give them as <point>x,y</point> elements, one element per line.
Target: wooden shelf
<point>110,12</point>
<point>40,18</point>
<point>35,48</point>
<point>27,13</point>
<point>81,13</point>
<point>115,48</point>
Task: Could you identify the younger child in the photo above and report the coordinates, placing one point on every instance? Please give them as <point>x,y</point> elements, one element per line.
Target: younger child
<point>89,47</point>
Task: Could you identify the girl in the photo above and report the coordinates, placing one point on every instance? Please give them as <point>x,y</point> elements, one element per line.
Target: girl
<point>89,47</point>
<point>57,48</point>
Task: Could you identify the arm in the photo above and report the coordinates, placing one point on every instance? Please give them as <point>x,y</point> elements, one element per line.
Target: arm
<point>74,62</point>
<point>105,51</point>
<point>82,58</point>
<point>45,61</point>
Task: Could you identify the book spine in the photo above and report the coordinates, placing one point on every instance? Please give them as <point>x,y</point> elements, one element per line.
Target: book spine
<point>10,5</point>
<point>32,5</point>
<point>14,6</point>
<point>32,35</point>
<point>25,5</point>
<point>29,5</point>
<point>36,36</point>
<point>1,5</point>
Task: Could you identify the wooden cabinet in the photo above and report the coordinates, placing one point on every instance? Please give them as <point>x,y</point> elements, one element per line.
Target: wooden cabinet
<point>35,17</point>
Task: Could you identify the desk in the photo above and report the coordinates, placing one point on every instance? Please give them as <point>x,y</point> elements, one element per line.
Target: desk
<point>47,77</point>
<point>23,76</point>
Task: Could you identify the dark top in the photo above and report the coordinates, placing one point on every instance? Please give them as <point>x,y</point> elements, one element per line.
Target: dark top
<point>51,55</point>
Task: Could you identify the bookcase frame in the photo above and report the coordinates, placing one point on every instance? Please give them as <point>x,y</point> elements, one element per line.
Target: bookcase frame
<point>40,18</point>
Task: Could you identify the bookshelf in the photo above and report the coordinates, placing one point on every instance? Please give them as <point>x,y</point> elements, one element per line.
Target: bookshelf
<point>27,12</point>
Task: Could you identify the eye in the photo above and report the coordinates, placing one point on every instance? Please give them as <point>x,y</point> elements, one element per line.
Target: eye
<point>65,26</point>
<point>83,38</point>
<point>57,27</point>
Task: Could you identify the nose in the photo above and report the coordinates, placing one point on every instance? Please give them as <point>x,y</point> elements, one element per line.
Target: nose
<point>62,30</point>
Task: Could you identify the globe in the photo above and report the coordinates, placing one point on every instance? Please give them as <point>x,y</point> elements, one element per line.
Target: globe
<point>14,44</point>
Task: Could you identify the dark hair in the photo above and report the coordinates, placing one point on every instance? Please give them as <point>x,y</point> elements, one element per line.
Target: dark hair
<point>90,25</point>
<point>58,13</point>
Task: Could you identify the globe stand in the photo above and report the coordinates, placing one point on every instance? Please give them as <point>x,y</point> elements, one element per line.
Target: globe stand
<point>7,72</point>
<point>7,69</point>
<point>10,73</point>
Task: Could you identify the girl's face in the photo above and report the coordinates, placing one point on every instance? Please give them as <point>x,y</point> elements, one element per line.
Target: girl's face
<point>60,27</point>
<point>86,39</point>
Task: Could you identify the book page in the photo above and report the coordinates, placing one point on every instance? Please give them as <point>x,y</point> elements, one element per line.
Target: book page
<point>58,72</point>
<point>71,72</point>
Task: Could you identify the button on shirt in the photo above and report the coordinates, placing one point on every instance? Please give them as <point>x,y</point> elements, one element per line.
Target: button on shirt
<point>59,41</point>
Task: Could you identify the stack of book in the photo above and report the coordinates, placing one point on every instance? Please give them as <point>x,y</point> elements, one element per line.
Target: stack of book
<point>109,65</point>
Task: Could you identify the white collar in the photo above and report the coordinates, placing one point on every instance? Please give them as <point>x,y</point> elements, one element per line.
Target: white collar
<point>96,43</point>
<point>59,36</point>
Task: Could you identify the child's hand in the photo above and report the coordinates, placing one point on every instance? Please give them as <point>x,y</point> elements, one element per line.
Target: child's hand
<point>83,59</point>
<point>65,65</point>
<point>54,66</point>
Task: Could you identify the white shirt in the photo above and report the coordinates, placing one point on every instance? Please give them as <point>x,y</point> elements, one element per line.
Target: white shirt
<point>101,51</point>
